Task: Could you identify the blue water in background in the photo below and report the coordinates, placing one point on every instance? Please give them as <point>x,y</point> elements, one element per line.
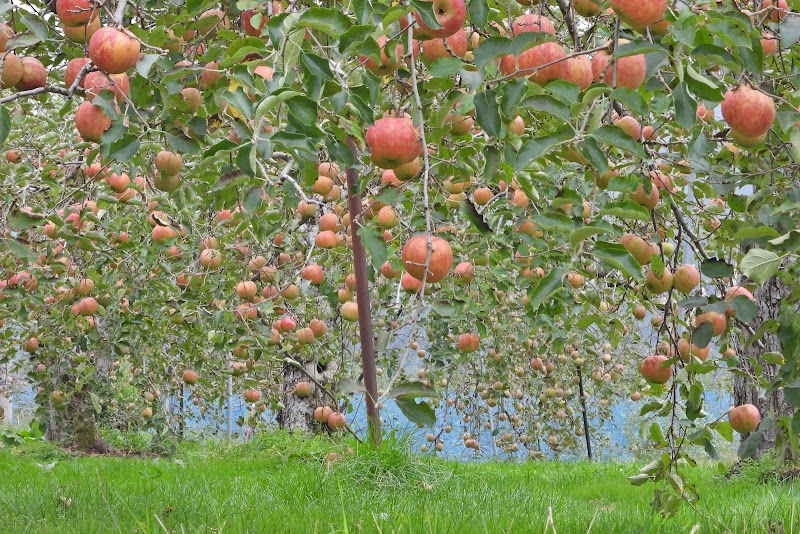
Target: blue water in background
<point>625,414</point>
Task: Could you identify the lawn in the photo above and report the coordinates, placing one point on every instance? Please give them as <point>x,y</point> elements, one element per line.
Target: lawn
<point>284,484</point>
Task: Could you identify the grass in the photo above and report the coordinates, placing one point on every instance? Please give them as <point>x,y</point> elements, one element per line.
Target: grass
<point>279,483</point>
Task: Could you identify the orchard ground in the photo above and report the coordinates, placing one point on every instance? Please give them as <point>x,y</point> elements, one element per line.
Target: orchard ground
<point>281,483</point>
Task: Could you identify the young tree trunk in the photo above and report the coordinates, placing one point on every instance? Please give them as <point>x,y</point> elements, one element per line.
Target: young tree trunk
<point>297,413</point>
<point>769,298</point>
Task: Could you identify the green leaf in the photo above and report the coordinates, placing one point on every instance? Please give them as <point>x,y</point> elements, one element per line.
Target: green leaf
<point>716,268</point>
<point>487,112</point>
<point>750,445</point>
<point>18,249</point>
<point>374,245</point>
<point>790,31</point>
<point>760,265</point>
<point>445,67</point>
<point>419,413</point>
<point>633,100</point>
<point>618,257</point>
<point>628,210</point>
<point>634,48</point>
<point>332,22</point>
<point>412,390</point>
<point>535,148</point>
<point>5,124</point>
<point>701,336</point>
<point>547,104</point>
<point>685,107</point>
<point>316,66</point>
<point>348,386</point>
<point>145,63</point>
<point>123,149</point>
<point>490,49</point>
<point>35,25</point>
<point>756,233</point>
<point>546,287</point>
<point>425,12</point>
<point>181,143</point>
<point>585,232</point>
<point>478,12</point>
<point>22,221</point>
<point>611,135</point>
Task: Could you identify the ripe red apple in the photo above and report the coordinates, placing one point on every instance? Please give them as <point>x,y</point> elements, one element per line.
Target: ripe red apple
<point>389,62</point>
<point>631,70</point>
<point>168,163</point>
<point>161,234</point>
<point>337,420</point>
<point>393,141</point>
<point>252,395</point>
<point>11,67</point>
<point>748,111</point>
<point>305,336</point>
<point>468,342</point>
<point>517,126</point>
<point>247,16</point>
<point>349,311</point>
<point>97,81</point>
<point>578,70</point>
<point>533,58</point>
<point>630,126</point>
<point>318,328</point>
<point>190,376</point>
<point>654,370</point>
<point>303,389</point>
<point>639,13</point>
<point>453,46</point>
<point>718,321</point>
<point>686,278</point>
<point>778,9</point>
<point>409,284</point>
<point>464,273</point>
<point>576,280</point>
<point>313,273</point>
<point>87,306</point>
<point>648,201</point>
<point>34,75</point>
<point>6,33</point>
<point>744,418</point>
<point>738,291</point>
<point>658,284</point>
<point>321,414</point>
<point>532,22</point>
<point>451,16</point>
<point>114,50</point>
<point>687,350</point>
<point>82,34</point>
<point>74,67</point>
<point>91,122</point>
<point>415,253</point>
<point>75,12</point>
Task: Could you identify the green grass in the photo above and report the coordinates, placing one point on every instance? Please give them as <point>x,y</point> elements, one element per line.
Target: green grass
<point>283,484</point>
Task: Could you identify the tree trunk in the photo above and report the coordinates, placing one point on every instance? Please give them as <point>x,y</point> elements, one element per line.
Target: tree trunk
<point>297,413</point>
<point>769,298</point>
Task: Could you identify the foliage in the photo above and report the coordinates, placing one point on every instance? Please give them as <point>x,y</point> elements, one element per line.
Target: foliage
<point>558,301</point>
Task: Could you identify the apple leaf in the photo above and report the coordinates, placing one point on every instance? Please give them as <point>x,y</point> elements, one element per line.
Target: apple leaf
<point>546,287</point>
<point>491,48</point>
<point>760,265</point>
<point>478,12</point>
<point>585,232</point>
<point>5,124</point>
<point>618,257</point>
<point>331,22</point>
<point>487,112</point>
<point>425,12</point>
<point>419,413</point>
<point>716,268</point>
<point>701,336</point>
<point>685,106</point>
<point>750,445</point>
<point>412,390</point>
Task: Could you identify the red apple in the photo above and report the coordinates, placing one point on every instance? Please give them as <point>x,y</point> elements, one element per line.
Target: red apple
<point>639,13</point>
<point>748,111</point>
<point>74,67</point>
<point>97,81</point>
<point>75,12</point>
<point>393,141</point>
<point>34,75</point>
<point>456,46</point>
<point>415,253</point>
<point>578,70</point>
<point>468,342</point>
<point>451,16</point>
<point>654,370</point>
<point>631,70</point>
<point>91,122</point>
<point>114,50</point>
<point>11,67</point>
<point>744,418</point>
